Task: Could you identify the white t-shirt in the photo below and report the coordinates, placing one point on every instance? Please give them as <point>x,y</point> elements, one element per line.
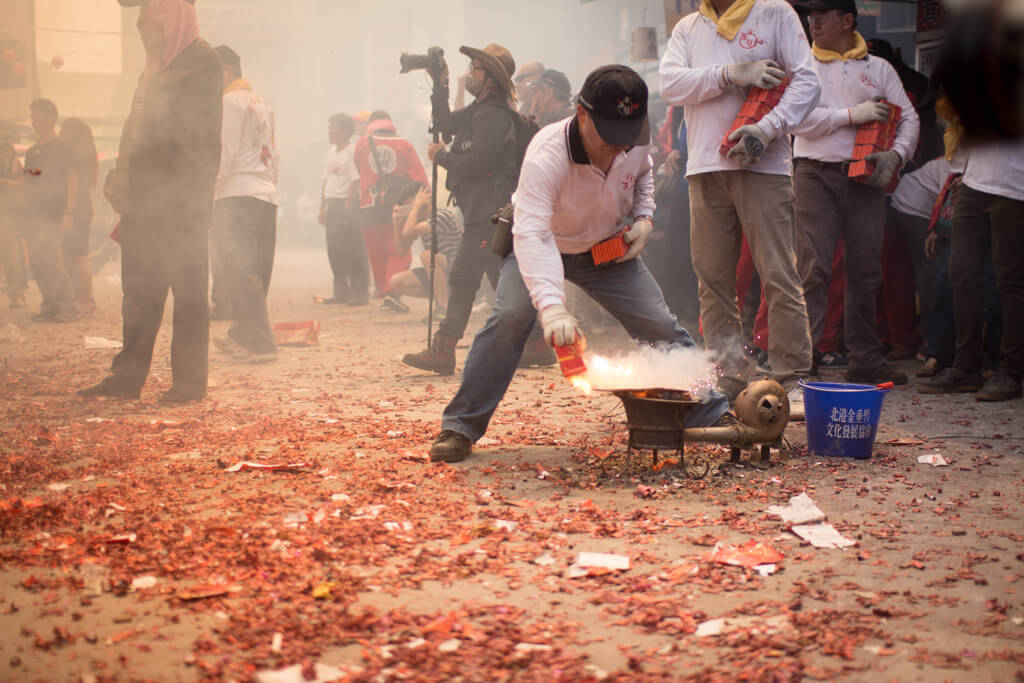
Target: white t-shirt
<point>691,75</point>
<point>996,168</point>
<point>249,160</point>
<point>917,191</point>
<point>340,172</point>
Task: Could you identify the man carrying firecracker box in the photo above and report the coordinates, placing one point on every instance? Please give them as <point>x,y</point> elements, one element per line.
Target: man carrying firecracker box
<point>582,180</point>
<point>726,64</point>
<point>848,150</point>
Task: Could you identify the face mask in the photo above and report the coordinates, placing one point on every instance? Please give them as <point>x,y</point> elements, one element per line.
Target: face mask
<point>474,85</point>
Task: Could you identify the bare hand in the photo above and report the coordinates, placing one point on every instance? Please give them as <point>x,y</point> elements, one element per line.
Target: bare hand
<point>671,164</point>
<point>422,198</point>
<point>931,245</point>
<point>432,149</point>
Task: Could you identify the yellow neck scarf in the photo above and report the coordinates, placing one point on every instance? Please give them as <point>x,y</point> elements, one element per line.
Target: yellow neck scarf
<point>236,85</point>
<point>729,23</point>
<point>954,131</point>
<point>859,51</point>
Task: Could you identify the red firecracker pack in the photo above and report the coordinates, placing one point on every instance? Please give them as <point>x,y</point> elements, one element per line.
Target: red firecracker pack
<point>759,102</point>
<point>305,333</point>
<point>876,136</point>
<point>570,358</point>
<point>610,249</point>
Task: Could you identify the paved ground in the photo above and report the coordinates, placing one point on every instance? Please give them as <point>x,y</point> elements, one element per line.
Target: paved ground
<point>129,550</point>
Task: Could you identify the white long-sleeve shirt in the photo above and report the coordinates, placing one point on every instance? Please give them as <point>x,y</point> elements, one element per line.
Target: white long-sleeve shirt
<point>827,134</point>
<point>691,75</point>
<point>565,205</point>
<point>249,159</point>
<point>996,168</point>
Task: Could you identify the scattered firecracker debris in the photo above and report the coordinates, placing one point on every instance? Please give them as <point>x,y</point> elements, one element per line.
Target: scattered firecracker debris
<point>290,527</point>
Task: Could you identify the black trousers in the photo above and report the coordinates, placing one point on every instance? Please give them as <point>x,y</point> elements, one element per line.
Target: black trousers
<point>247,229</point>
<point>346,252</point>
<point>986,224</point>
<point>473,260</point>
<point>161,254</point>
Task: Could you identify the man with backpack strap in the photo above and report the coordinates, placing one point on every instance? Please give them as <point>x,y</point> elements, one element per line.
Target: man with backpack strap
<point>482,169</point>
<point>581,180</point>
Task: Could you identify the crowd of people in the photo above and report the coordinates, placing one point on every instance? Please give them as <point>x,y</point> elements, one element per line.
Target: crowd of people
<point>770,247</point>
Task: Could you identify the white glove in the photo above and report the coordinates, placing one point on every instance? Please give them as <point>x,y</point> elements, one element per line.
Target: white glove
<point>886,163</point>
<point>636,238</point>
<point>763,74</point>
<point>560,328</point>
<point>869,111</point>
<point>752,143</point>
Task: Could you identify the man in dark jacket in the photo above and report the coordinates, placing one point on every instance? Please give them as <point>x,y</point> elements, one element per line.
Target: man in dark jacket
<point>163,188</point>
<point>482,166</point>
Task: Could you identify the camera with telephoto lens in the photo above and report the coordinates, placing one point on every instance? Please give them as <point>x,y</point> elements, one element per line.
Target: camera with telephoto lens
<point>432,62</point>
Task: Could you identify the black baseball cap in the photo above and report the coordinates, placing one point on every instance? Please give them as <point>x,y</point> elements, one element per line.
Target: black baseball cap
<point>616,98</point>
<point>558,81</point>
<point>845,6</point>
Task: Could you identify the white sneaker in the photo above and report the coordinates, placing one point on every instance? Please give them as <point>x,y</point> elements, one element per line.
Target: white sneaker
<point>796,404</point>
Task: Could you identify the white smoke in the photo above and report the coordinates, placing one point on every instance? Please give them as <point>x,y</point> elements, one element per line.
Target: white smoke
<point>678,369</point>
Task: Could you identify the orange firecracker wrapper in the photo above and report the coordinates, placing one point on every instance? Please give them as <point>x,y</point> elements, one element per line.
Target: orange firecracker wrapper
<point>759,103</point>
<point>877,136</point>
<point>570,358</point>
<point>305,333</point>
<point>612,248</point>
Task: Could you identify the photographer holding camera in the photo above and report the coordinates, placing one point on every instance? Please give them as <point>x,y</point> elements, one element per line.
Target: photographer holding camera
<point>482,169</point>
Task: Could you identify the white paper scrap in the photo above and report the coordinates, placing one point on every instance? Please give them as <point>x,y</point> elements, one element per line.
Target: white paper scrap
<point>604,560</point>
<point>933,459</point>
<point>822,535</point>
<point>293,674</point>
<point>101,343</point>
<point>801,510</point>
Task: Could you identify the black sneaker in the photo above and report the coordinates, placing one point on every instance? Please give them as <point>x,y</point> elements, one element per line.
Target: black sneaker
<point>110,386</point>
<point>450,447</point>
<point>44,316</point>
<point>999,387</point>
<point>951,381</point>
<point>393,303</point>
<point>179,395</point>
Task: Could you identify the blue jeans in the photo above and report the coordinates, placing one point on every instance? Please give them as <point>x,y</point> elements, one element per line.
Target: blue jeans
<point>626,290</point>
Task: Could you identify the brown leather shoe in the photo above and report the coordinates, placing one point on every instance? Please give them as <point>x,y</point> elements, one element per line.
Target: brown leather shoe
<point>929,369</point>
<point>450,447</point>
<point>439,358</point>
<point>951,381</point>
<point>1000,386</point>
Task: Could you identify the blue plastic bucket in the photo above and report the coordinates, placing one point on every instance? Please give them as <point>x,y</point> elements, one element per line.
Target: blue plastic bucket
<point>842,419</point>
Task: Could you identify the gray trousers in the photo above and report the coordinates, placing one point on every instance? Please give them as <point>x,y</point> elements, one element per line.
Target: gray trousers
<point>829,205</point>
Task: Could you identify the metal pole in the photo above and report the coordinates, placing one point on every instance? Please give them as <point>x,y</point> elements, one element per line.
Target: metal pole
<point>433,243</point>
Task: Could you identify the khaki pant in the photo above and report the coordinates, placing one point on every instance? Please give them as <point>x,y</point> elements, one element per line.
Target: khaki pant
<point>725,206</point>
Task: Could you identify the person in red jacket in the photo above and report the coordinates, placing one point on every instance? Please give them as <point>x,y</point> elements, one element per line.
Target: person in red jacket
<point>382,153</point>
